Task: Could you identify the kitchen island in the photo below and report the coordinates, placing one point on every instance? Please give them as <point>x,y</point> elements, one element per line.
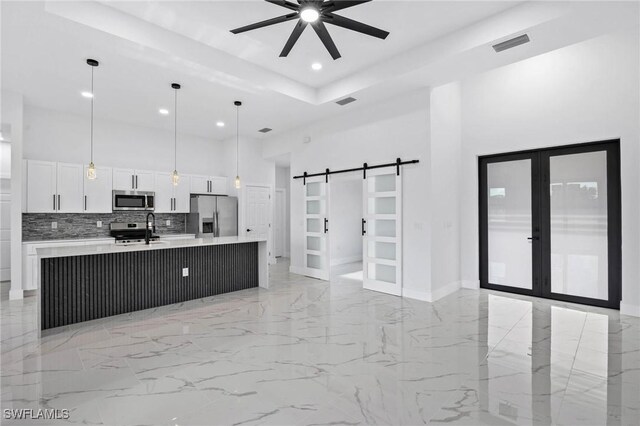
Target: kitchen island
<point>95,281</point>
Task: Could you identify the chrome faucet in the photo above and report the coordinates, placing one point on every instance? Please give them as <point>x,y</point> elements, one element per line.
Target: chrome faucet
<point>147,231</point>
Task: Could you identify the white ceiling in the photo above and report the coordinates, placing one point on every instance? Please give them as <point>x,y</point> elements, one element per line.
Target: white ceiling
<point>144,46</point>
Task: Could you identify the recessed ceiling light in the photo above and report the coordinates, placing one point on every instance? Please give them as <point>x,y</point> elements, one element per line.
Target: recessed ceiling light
<point>163,111</point>
<point>316,66</point>
<point>220,124</point>
<point>87,94</point>
<point>309,14</point>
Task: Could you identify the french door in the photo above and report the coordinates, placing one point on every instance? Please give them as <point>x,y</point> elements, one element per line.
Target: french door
<point>316,228</point>
<point>382,231</point>
<point>550,223</point>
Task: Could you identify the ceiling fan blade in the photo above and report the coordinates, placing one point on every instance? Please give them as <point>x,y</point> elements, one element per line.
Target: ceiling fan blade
<point>350,24</point>
<point>266,23</point>
<point>284,3</point>
<point>293,38</point>
<point>322,32</point>
<point>335,5</point>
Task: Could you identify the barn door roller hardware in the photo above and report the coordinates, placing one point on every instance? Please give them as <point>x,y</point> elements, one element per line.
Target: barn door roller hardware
<point>397,164</point>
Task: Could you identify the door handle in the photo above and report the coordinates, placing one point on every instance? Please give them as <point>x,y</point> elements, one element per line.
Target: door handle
<point>326,222</point>
<point>248,230</point>
<point>364,231</point>
<point>533,238</point>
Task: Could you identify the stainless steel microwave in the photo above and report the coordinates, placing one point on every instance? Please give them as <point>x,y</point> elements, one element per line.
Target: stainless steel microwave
<point>133,200</point>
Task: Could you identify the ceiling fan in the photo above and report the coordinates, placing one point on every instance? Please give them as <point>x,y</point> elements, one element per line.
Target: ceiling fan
<point>317,13</point>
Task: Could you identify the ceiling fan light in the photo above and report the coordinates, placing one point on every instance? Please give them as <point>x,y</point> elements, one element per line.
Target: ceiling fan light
<point>309,14</point>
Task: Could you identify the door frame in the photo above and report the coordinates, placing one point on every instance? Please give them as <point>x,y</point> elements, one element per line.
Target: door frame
<point>541,253</point>
<point>242,193</point>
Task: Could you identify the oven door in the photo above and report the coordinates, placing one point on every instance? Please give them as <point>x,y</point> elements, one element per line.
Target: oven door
<point>132,200</point>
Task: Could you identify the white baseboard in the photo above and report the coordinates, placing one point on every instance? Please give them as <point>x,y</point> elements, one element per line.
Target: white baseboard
<point>470,284</point>
<point>629,309</point>
<point>16,294</point>
<point>300,270</point>
<point>345,260</point>
<point>428,296</point>
<point>416,294</point>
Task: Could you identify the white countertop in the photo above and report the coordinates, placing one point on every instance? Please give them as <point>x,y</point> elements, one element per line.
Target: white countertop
<point>159,245</point>
<point>72,240</point>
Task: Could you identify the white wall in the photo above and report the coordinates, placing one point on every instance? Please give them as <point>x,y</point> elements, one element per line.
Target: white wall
<point>345,211</point>
<point>398,127</point>
<point>445,189</point>
<point>283,181</point>
<point>585,92</point>
<point>56,136</point>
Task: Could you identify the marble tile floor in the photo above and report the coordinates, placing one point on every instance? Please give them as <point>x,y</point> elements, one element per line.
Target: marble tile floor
<point>308,352</point>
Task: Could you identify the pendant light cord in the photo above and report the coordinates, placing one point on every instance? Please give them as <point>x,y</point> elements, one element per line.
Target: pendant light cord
<point>92,98</point>
<point>175,130</point>
<point>237,139</point>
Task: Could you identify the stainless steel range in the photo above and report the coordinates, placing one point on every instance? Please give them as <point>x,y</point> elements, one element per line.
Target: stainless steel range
<point>130,233</point>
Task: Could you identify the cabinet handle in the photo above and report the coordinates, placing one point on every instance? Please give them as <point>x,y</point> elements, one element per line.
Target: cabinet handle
<point>173,204</point>
<point>136,181</point>
<point>54,202</point>
<point>133,184</point>
<point>85,202</point>
<point>58,201</point>
<point>326,223</point>
<point>364,231</point>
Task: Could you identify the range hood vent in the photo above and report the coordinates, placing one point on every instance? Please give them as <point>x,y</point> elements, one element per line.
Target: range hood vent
<point>516,41</point>
<point>345,101</point>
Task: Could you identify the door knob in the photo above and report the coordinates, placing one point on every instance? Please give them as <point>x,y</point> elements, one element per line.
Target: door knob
<point>533,238</point>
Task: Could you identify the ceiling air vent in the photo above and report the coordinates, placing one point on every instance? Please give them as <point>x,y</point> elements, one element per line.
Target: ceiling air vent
<point>345,101</point>
<point>265,130</point>
<point>517,41</point>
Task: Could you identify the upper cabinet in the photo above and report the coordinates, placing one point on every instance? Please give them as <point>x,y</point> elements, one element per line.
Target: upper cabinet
<point>214,185</point>
<point>41,186</point>
<point>133,180</point>
<point>54,187</point>
<point>170,198</point>
<point>97,192</point>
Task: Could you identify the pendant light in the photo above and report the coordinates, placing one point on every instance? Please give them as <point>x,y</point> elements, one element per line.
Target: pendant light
<point>237,104</point>
<point>91,170</point>
<point>175,177</point>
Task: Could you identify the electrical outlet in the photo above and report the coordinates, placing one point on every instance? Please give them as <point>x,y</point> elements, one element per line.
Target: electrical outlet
<point>99,224</point>
<point>168,222</point>
<point>185,272</point>
<point>54,225</point>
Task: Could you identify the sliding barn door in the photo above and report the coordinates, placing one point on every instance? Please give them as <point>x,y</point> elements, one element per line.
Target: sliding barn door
<point>382,231</point>
<point>316,228</point>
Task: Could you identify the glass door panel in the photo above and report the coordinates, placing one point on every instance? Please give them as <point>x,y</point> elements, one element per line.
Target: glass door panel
<point>509,223</point>
<point>578,232</point>
<point>316,204</point>
<point>382,216</point>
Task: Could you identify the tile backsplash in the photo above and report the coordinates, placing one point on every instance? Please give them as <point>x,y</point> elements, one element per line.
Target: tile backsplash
<point>37,226</point>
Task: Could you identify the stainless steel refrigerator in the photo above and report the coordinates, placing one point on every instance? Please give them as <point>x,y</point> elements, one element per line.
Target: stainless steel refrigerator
<point>213,216</point>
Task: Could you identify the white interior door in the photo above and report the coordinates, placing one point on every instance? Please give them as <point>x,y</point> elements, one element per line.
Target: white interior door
<point>258,211</point>
<point>382,231</point>
<point>316,228</point>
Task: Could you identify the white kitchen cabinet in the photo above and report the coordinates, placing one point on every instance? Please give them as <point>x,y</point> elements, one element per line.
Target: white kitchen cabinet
<point>41,186</point>
<point>170,198</point>
<point>69,188</point>
<point>215,185</point>
<point>97,192</point>
<point>182,196</point>
<point>133,180</point>
<point>219,185</point>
